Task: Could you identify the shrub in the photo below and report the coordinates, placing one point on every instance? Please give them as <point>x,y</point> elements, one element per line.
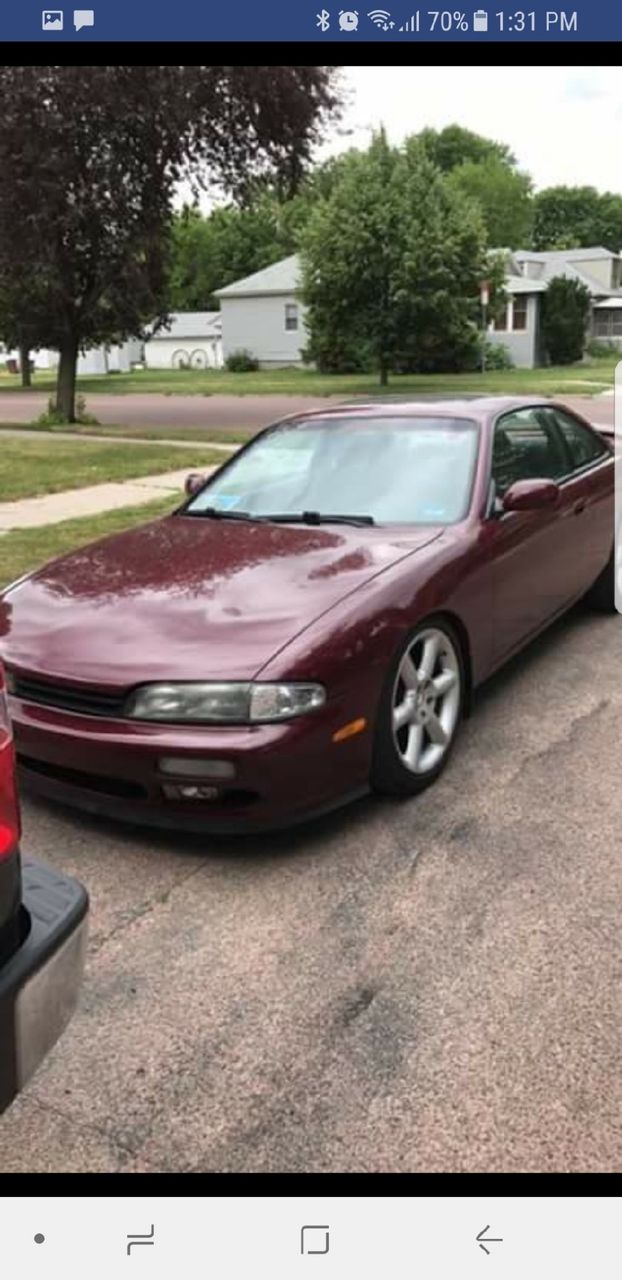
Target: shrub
<point>496,355</point>
<point>54,418</point>
<point>241,362</point>
<point>565,312</point>
<point>599,347</point>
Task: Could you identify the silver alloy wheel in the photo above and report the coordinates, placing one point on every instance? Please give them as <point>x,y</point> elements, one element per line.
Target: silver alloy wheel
<point>426,700</point>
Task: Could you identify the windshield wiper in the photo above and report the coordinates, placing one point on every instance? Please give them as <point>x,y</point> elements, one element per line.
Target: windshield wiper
<point>214,513</point>
<point>317,517</point>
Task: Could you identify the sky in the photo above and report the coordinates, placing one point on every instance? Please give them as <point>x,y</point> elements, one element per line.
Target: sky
<point>562,123</point>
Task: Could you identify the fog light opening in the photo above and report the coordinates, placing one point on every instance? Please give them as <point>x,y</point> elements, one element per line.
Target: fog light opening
<point>190,791</point>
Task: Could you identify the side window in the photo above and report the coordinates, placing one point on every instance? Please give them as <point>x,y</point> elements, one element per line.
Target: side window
<point>581,444</point>
<point>291,315</point>
<point>525,448</point>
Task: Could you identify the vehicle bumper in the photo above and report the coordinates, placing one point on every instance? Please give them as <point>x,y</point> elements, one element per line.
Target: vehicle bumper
<point>283,773</point>
<point>39,985</point>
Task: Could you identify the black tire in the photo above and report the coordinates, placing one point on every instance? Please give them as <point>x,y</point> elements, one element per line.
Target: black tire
<point>389,774</point>
<point>602,595</point>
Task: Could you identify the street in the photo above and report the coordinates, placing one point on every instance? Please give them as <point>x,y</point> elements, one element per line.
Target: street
<point>219,412</point>
<point>431,985</point>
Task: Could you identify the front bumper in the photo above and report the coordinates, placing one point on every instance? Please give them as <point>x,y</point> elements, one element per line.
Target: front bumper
<point>283,773</point>
<point>39,985</point>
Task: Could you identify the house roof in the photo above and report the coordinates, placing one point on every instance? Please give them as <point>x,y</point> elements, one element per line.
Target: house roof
<point>570,255</point>
<point>281,277</point>
<point>609,302</point>
<point>573,263</point>
<point>190,324</point>
<point>522,284</point>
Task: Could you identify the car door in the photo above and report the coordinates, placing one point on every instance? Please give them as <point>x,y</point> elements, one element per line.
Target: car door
<point>590,487</point>
<point>534,574</point>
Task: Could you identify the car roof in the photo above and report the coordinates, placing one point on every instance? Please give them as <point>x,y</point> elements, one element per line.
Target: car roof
<point>479,408</point>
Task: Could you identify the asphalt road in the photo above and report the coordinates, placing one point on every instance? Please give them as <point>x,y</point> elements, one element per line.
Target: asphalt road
<point>428,985</point>
<point>209,413</point>
<point>222,413</point>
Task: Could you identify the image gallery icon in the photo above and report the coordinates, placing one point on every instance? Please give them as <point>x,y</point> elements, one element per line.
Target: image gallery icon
<point>52,20</point>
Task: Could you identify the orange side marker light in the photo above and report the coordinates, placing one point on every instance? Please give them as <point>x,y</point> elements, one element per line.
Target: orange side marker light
<point>349,730</point>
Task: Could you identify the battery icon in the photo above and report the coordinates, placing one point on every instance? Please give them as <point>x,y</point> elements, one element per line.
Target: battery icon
<point>480,20</point>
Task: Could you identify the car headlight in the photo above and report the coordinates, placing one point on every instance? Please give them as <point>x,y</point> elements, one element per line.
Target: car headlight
<point>207,703</point>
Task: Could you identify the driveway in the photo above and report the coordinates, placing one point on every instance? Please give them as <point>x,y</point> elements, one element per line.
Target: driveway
<point>209,413</point>
<point>425,985</point>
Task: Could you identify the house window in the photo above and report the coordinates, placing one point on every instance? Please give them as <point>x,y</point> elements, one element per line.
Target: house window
<point>519,318</point>
<point>291,315</point>
<point>607,323</point>
<point>500,324</point>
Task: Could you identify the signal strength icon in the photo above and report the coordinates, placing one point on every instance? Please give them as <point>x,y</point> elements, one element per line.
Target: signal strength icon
<point>381,18</point>
<point>412,24</point>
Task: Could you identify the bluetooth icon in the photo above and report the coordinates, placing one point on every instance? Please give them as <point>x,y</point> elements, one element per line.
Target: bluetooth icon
<point>323,20</point>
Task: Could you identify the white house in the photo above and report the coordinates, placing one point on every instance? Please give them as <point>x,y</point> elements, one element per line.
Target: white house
<point>530,274</point>
<point>115,359</point>
<point>191,340</point>
<point>262,314</point>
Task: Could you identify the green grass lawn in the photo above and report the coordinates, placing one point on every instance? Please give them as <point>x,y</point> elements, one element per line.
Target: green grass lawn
<point>27,549</point>
<point>192,435</point>
<point>29,468</point>
<point>306,382</point>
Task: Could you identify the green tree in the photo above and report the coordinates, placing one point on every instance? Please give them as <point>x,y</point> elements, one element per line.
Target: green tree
<point>447,148</point>
<point>504,196</point>
<point>565,313</point>
<point>577,217</point>
<point>210,252</point>
<point>90,159</point>
<point>392,262</point>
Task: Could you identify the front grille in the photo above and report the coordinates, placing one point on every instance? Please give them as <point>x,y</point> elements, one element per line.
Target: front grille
<point>85,702</point>
<point>91,781</point>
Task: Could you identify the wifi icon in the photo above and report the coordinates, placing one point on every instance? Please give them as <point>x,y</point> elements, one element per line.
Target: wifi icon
<point>381,18</point>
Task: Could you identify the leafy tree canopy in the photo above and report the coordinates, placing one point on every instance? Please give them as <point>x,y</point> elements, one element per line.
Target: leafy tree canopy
<point>454,146</point>
<point>577,217</point>
<point>392,263</point>
<point>90,158</point>
<point>504,196</point>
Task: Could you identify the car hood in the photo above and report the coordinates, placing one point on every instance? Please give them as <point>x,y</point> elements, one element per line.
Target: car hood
<point>187,598</point>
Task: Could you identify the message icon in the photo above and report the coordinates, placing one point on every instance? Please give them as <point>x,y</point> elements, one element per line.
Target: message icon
<point>52,19</point>
<point>83,18</point>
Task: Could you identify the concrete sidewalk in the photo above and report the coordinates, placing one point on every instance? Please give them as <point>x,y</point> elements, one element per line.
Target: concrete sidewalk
<point>52,508</point>
<point>26,433</point>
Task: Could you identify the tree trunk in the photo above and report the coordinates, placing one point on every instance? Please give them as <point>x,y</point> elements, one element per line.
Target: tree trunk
<point>24,364</point>
<point>66,380</point>
<point>384,374</point>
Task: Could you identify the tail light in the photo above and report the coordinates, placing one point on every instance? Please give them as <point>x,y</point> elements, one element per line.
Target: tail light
<point>10,826</point>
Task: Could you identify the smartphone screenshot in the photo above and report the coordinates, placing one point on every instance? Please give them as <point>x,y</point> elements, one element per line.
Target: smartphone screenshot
<point>310,643</point>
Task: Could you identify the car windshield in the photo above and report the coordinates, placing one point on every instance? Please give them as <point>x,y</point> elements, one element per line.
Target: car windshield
<point>413,470</point>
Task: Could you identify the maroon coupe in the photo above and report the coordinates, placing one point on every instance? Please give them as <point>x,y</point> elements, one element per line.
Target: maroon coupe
<point>313,621</point>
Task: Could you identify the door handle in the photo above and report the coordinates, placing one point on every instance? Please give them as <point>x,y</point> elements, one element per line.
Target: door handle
<point>579,506</point>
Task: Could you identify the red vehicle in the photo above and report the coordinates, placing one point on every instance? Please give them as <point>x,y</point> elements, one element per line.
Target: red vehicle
<point>313,621</point>
<point>43,923</point>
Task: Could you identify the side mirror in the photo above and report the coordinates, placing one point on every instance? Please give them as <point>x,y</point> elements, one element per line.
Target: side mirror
<point>193,483</point>
<point>530,495</point>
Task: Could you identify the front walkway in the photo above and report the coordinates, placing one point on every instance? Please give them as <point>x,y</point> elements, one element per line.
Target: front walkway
<point>34,513</point>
